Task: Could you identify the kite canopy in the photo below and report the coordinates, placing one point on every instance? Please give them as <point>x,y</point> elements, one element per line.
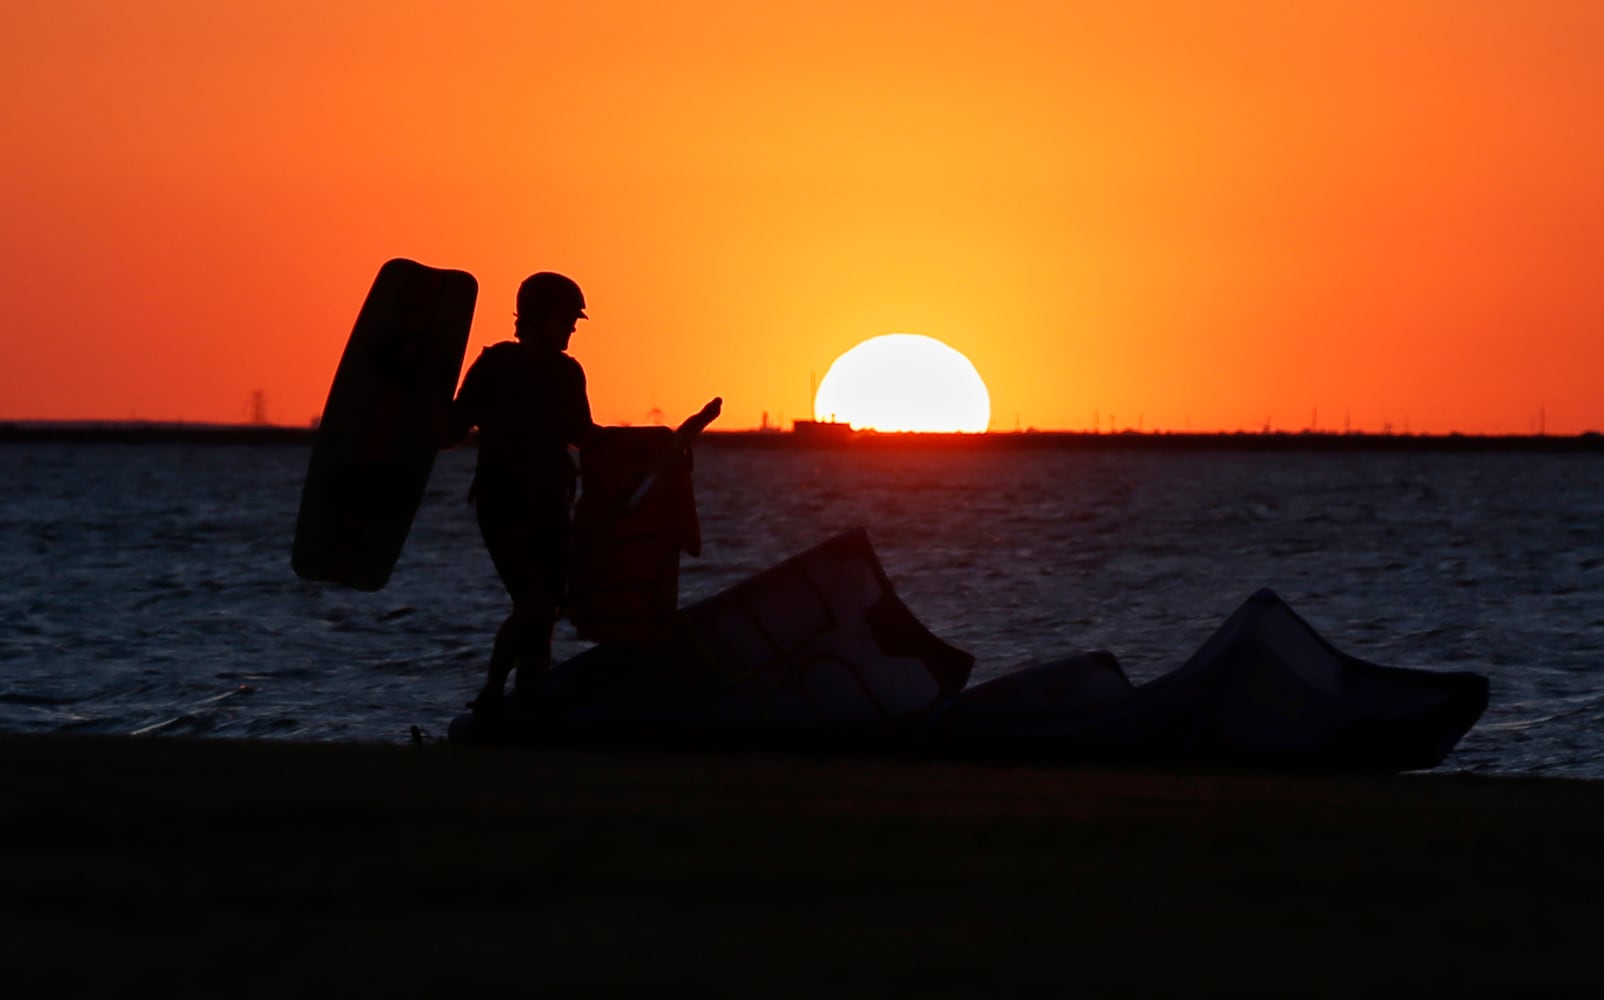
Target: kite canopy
<point>1264,690</point>
<point>819,652</point>
<point>819,642</point>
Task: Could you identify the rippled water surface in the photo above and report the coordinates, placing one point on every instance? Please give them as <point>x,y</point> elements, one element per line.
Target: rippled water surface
<point>147,588</point>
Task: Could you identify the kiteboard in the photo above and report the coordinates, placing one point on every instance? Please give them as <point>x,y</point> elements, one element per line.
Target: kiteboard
<point>382,424</point>
<point>636,513</point>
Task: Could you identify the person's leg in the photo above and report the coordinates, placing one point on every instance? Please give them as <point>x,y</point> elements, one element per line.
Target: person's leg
<point>503,657</point>
<point>528,543</point>
<point>540,603</point>
<point>536,612</point>
<point>506,536</point>
<point>523,644</point>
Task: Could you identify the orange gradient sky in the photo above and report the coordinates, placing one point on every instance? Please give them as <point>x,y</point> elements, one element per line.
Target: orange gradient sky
<point>1214,215</point>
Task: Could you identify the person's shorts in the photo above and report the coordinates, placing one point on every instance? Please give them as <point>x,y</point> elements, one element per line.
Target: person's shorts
<point>528,538</point>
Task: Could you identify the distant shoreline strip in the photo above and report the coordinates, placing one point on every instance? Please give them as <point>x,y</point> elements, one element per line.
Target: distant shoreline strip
<point>26,432</point>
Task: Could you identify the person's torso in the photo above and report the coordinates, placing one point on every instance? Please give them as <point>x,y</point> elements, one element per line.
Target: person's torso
<point>529,407</point>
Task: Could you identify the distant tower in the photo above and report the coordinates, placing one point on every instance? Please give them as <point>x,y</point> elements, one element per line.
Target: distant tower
<point>257,407</point>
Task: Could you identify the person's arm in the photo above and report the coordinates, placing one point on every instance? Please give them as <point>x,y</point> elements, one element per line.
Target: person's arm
<point>453,422</point>
<point>582,429</point>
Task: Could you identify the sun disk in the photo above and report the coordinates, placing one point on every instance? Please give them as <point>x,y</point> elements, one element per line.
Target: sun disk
<point>904,382</point>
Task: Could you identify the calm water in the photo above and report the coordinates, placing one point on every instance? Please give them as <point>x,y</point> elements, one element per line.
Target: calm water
<point>147,588</point>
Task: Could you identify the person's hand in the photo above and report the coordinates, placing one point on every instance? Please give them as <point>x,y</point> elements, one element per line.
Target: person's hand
<point>706,414</point>
<point>437,416</point>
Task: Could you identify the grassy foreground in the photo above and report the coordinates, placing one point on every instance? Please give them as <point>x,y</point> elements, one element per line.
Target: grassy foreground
<point>230,868</point>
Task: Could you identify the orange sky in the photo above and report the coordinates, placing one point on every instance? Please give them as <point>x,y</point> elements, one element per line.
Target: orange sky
<point>1206,216</point>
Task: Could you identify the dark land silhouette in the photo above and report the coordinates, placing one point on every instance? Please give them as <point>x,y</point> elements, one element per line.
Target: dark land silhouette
<point>136,432</point>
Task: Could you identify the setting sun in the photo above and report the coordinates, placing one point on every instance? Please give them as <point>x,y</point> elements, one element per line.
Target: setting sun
<point>904,382</point>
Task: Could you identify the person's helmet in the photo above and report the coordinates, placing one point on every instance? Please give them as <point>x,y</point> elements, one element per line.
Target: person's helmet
<point>548,293</point>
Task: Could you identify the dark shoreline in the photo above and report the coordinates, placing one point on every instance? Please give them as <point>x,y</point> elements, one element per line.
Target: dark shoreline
<point>253,868</point>
<point>135,432</point>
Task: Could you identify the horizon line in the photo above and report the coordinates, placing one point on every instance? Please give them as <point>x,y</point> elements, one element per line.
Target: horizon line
<point>812,432</point>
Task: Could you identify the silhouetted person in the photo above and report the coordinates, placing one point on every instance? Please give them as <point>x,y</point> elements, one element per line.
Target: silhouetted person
<point>527,397</point>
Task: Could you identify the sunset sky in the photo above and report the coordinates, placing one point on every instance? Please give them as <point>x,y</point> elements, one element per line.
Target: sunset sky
<point>1212,215</point>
